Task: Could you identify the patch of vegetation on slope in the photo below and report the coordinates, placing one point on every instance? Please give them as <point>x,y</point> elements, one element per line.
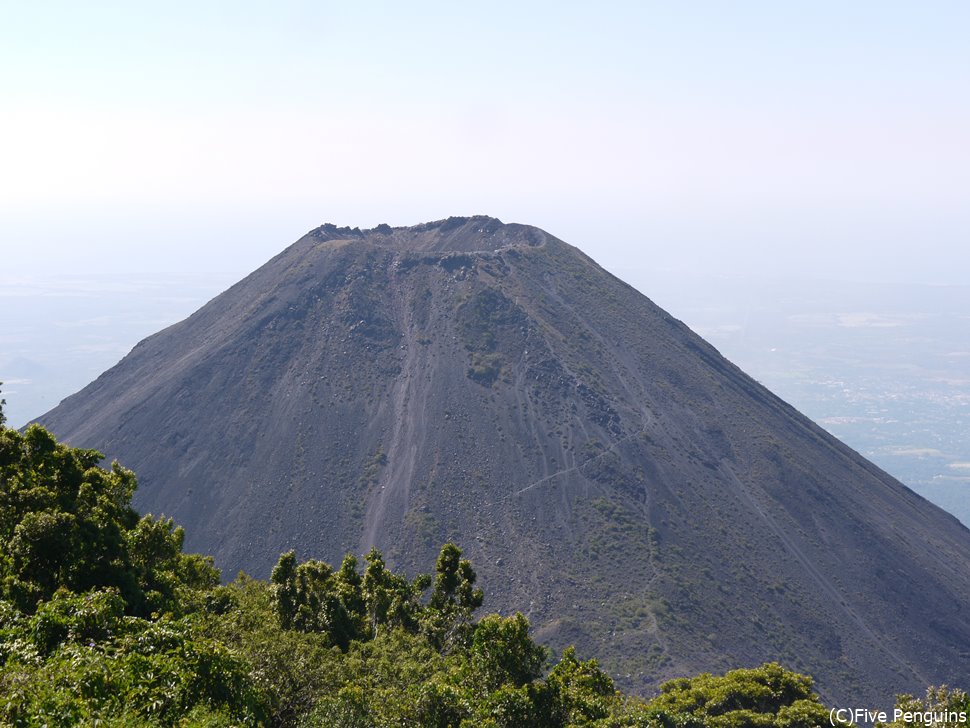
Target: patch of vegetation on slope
<point>482,318</point>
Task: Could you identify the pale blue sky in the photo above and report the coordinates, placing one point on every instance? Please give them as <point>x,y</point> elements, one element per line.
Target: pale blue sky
<point>791,138</point>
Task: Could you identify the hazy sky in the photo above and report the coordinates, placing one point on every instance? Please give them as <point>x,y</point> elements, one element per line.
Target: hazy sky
<point>814,138</point>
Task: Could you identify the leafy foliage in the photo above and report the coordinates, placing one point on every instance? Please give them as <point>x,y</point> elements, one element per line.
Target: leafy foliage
<point>99,608</point>
<point>79,658</point>
<point>765,696</point>
<point>66,523</point>
<point>943,707</point>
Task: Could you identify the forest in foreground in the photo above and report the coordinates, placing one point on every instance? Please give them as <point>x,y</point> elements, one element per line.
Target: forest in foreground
<point>105,621</point>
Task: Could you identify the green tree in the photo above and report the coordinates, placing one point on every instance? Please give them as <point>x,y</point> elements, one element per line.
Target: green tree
<point>943,707</point>
<point>98,607</point>
<point>349,588</point>
<point>390,599</point>
<point>310,597</point>
<point>502,653</point>
<point>67,523</point>
<point>454,581</point>
<point>587,693</point>
<point>764,696</point>
<point>454,599</point>
<point>79,661</point>
<point>283,579</point>
<point>290,668</point>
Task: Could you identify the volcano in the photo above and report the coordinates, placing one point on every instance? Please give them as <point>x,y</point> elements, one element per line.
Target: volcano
<point>606,470</point>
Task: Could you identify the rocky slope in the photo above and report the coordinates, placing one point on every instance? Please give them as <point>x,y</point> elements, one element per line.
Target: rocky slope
<point>607,471</point>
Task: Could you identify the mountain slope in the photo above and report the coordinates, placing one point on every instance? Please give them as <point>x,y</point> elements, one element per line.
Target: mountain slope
<point>486,383</point>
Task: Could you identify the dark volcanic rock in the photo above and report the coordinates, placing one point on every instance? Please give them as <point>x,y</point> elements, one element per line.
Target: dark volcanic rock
<point>608,472</point>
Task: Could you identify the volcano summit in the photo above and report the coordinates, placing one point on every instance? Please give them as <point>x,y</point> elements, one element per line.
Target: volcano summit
<point>606,470</point>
